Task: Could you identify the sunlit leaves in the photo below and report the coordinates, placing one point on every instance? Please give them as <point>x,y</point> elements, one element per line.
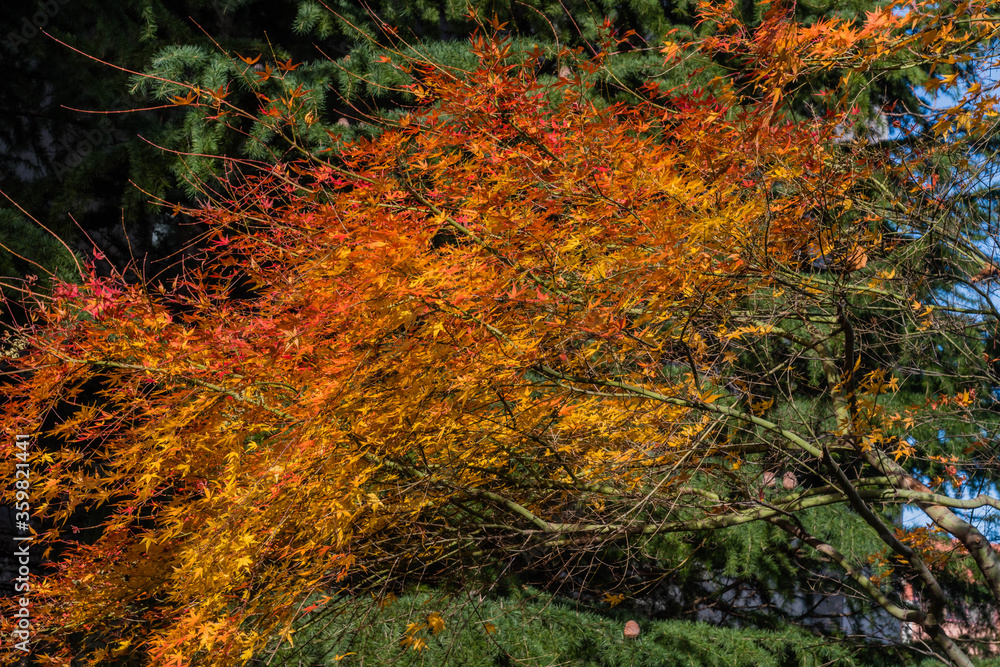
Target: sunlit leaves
<point>513,320</point>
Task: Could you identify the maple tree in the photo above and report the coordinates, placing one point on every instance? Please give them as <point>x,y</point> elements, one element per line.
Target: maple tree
<point>101,160</point>
<point>520,321</point>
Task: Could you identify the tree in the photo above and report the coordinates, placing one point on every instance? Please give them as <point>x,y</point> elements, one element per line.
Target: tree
<point>534,628</point>
<point>81,158</point>
<point>517,325</point>
<point>87,171</point>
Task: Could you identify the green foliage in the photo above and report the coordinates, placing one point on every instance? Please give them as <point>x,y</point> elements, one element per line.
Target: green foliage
<point>538,630</point>
<point>25,243</point>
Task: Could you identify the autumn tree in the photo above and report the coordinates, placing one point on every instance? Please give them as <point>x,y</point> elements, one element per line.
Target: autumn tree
<point>523,325</point>
<point>85,167</point>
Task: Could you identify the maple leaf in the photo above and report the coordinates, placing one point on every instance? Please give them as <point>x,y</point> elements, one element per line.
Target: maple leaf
<point>264,74</point>
<point>190,98</point>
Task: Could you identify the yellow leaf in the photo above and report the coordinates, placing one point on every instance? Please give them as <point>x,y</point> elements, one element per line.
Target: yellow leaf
<point>435,623</point>
<point>902,450</point>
